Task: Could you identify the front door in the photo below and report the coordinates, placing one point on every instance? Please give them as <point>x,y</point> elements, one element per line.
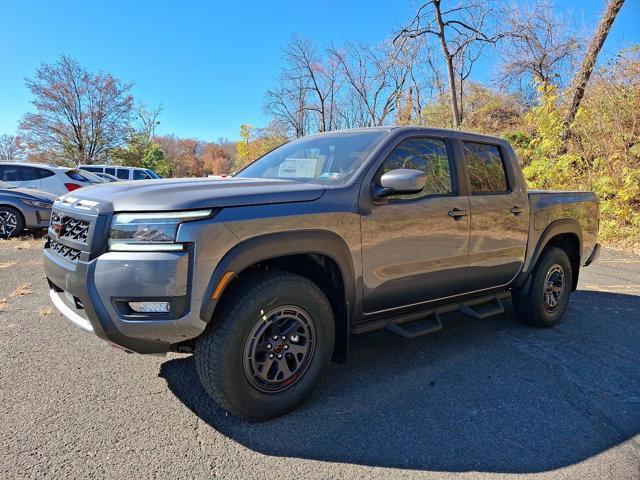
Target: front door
<point>499,215</point>
<point>415,247</point>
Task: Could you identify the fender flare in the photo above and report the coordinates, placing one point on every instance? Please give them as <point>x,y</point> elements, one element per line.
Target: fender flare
<point>555,228</point>
<point>269,246</point>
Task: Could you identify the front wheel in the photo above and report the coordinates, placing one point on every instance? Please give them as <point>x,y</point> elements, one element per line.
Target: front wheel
<point>549,292</point>
<point>267,345</point>
<point>11,222</point>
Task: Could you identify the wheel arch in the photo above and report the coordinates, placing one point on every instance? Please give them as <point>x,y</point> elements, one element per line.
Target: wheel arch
<point>319,255</point>
<point>565,233</point>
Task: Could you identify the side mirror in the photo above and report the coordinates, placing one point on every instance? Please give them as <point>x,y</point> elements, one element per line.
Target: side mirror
<point>400,181</point>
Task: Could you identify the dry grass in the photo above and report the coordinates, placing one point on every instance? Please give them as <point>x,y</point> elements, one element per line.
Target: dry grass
<point>3,304</point>
<point>26,242</point>
<point>8,264</point>
<point>45,311</point>
<point>21,291</point>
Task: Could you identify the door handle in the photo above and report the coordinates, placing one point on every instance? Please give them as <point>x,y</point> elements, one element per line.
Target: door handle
<point>457,214</point>
<point>516,210</point>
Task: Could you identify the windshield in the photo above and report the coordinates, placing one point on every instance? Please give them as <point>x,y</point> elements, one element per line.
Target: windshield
<point>5,185</point>
<point>328,159</point>
<point>152,174</point>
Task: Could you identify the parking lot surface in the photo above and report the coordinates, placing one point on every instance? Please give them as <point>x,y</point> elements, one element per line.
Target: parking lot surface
<point>480,399</point>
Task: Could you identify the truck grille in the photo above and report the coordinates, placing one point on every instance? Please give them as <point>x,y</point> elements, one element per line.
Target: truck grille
<point>68,227</point>
<point>63,251</point>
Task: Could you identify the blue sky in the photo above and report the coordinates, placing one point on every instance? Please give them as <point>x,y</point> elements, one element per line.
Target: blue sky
<point>208,62</point>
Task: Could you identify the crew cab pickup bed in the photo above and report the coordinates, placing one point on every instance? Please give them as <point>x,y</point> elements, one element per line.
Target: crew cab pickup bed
<point>264,276</point>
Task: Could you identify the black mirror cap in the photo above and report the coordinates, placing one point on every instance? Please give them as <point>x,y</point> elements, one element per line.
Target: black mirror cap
<point>401,181</point>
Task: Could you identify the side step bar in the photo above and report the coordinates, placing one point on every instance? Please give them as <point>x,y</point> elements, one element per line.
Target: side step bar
<point>416,328</point>
<point>422,322</point>
<point>480,311</point>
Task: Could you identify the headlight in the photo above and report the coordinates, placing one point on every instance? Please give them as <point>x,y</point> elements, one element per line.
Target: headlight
<point>149,231</point>
<point>36,203</point>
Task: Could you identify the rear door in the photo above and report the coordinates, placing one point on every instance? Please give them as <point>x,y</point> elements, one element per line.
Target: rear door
<point>499,214</point>
<point>415,247</point>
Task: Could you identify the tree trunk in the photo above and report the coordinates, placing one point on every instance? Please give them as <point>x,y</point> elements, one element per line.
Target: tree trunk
<point>582,77</point>
<point>455,110</point>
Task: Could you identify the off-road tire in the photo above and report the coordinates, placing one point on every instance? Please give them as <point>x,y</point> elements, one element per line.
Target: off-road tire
<point>220,350</point>
<point>532,308</point>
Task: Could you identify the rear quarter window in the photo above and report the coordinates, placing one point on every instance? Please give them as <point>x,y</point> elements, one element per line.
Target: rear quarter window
<point>78,176</point>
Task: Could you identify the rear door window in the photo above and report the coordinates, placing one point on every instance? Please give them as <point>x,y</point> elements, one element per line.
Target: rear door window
<point>123,173</point>
<point>110,171</point>
<point>487,173</point>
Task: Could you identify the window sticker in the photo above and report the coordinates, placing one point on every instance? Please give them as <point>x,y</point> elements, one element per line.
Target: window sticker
<point>297,168</point>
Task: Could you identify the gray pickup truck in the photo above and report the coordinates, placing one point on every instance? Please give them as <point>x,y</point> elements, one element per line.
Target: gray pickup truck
<point>265,276</point>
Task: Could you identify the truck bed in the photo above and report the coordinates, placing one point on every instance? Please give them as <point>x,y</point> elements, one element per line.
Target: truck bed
<point>547,206</point>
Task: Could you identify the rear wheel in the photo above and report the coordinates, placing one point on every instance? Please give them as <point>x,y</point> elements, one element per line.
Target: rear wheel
<point>548,296</point>
<point>267,346</point>
<point>11,222</point>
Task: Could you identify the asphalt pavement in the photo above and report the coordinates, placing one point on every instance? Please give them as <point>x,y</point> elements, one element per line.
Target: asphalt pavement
<point>479,399</point>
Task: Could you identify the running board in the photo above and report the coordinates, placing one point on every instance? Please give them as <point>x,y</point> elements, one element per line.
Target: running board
<point>407,328</point>
<point>480,311</point>
<point>417,323</point>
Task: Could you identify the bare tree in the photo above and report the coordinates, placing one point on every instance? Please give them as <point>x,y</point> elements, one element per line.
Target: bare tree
<point>538,48</point>
<point>376,78</point>
<point>79,115</point>
<point>287,102</point>
<point>306,92</point>
<point>147,120</point>
<point>582,77</point>
<point>11,148</point>
<point>460,32</point>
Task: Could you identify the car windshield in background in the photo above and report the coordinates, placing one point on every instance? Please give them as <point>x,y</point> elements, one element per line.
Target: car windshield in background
<point>329,159</point>
<point>5,185</point>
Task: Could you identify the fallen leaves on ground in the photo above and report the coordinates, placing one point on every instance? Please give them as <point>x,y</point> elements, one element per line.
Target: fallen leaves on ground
<point>21,291</point>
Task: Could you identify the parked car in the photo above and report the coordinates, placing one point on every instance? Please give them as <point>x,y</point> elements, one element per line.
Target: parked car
<point>48,178</point>
<point>21,209</point>
<point>105,176</point>
<point>122,173</point>
<point>265,276</point>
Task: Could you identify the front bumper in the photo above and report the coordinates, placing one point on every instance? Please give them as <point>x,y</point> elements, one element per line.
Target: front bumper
<point>92,287</point>
<point>74,293</point>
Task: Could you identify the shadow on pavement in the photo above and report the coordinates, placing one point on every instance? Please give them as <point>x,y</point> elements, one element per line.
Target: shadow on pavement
<point>490,395</point>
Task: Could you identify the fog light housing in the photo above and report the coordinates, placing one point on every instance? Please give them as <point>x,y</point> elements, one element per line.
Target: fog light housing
<point>150,307</point>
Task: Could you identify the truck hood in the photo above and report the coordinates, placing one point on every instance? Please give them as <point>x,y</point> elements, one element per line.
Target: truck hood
<point>195,193</point>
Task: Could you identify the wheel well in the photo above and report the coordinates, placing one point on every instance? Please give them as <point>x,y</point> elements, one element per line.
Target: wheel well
<point>321,270</point>
<point>570,243</point>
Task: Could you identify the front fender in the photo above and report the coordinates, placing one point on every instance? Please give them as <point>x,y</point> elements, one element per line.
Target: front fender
<point>274,245</point>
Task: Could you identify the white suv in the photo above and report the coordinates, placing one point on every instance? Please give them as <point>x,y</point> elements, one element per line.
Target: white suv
<point>122,173</point>
<point>48,178</point>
